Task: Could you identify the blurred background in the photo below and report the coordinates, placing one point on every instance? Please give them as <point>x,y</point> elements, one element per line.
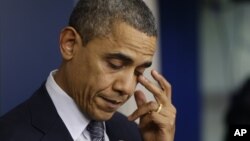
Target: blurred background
<point>204,51</point>
<point>224,52</point>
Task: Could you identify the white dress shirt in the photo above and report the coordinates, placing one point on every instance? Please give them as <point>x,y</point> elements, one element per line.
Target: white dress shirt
<point>75,121</point>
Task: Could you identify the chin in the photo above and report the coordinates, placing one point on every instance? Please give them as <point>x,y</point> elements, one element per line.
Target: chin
<point>102,116</point>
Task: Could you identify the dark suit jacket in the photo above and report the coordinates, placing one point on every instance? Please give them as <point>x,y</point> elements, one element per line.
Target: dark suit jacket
<point>37,120</point>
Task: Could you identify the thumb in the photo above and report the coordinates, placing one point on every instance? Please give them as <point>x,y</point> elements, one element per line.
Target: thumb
<point>140,98</point>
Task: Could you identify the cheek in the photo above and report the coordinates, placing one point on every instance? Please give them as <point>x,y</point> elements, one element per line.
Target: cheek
<point>102,82</point>
<point>101,77</point>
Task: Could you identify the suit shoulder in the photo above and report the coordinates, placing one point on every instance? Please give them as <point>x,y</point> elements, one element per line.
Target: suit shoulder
<point>15,122</point>
<point>18,114</point>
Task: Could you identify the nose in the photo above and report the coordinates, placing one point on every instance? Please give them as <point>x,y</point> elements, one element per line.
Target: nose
<point>125,83</point>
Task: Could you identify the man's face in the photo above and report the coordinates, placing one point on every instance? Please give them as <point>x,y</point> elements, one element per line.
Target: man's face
<point>103,74</point>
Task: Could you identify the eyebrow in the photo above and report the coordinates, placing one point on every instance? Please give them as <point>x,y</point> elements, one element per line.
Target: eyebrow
<point>127,59</point>
<point>120,56</point>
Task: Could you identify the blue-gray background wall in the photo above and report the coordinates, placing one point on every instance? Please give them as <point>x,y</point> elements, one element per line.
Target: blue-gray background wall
<point>29,45</point>
<point>29,32</point>
<point>179,48</point>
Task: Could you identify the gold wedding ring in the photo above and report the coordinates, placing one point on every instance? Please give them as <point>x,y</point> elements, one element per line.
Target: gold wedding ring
<point>159,108</point>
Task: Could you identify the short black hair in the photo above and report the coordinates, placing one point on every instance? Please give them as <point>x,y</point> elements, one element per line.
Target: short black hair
<point>92,18</point>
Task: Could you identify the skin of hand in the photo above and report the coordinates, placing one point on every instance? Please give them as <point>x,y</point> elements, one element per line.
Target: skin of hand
<point>155,126</point>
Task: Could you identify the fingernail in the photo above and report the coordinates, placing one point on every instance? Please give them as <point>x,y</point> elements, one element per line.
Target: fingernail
<point>156,72</point>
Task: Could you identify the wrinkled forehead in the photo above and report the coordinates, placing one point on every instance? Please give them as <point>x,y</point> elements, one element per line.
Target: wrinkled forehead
<point>129,37</point>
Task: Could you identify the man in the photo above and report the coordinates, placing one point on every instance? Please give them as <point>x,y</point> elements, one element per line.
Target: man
<point>105,49</point>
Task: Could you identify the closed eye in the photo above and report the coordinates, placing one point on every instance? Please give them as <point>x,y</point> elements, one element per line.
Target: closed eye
<point>117,60</point>
<point>115,64</point>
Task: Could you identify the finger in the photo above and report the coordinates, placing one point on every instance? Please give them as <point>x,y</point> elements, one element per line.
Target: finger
<point>140,98</point>
<point>161,120</point>
<point>165,85</point>
<point>155,90</point>
<point>167,111</point>
<point>155,118</point>
<point>143,109</point>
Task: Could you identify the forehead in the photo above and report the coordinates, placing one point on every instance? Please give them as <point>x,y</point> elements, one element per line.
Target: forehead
<point>127,37</point>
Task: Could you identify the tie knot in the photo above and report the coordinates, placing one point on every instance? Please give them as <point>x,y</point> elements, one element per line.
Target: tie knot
<point>96,130</point>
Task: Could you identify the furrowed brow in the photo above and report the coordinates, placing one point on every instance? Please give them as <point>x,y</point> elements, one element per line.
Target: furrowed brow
<point>127,59</point>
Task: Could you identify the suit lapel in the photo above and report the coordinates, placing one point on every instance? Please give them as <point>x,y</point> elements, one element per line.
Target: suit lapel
<point>44,117</point>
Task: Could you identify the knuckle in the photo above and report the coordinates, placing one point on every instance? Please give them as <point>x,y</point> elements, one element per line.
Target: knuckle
<point>174,110</point>
<point>151,85</point>
<point>169,86</point>
<point>152,105</point>
<point>173,113</point>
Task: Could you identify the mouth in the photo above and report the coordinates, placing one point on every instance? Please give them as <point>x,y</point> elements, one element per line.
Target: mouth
<point>111,104</point>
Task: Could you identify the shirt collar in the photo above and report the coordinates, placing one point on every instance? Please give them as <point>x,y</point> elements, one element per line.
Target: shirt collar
<point>75,121</point>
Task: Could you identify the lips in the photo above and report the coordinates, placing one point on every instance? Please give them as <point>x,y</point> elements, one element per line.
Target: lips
<point>112,100</point>
<point>111,103</point>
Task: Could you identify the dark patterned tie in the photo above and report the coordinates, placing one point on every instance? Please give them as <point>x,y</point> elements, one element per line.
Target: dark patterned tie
<point>96,130</point>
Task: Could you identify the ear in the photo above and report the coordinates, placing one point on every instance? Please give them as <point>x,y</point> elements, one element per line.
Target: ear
<point>69,41</point>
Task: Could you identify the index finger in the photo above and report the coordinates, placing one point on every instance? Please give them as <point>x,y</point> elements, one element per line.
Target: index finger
<point>165,85</point>
<point>154,89</point>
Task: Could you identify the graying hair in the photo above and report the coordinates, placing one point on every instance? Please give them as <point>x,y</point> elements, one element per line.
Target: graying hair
<point>92,18</point>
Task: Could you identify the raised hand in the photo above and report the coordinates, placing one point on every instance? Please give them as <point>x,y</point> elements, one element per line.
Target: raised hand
<point>157,118</point>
